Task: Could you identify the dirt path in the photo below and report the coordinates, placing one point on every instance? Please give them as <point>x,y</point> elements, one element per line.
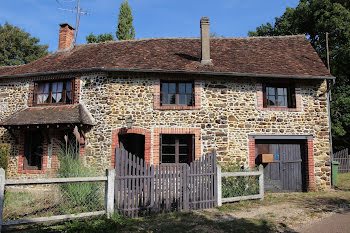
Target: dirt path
<point>288,217</point>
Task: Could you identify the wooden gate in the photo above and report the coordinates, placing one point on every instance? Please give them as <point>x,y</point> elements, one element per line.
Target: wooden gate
<point>344,160</point>
<point>142,188</point>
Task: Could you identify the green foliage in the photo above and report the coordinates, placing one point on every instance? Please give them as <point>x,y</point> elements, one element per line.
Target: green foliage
<point>238,186</point>
<point>125,29</point>
<point>4,155</point>
<point>84,196</point>
<point>314,18</point>
<point>100,38</point>
<point>18,47</point>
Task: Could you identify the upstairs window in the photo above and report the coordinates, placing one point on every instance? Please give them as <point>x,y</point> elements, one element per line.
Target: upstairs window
<point>58,92</point>
<point>177,93</point>
<point>279,96</point>
<point>177,148</point>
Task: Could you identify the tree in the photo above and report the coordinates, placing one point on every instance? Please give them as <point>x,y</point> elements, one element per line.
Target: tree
<point>100,38</point>
<point>18,47</point>
<point>314,18</point>
<point>125,30</point>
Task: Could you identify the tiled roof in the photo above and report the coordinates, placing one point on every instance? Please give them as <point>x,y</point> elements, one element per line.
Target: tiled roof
<point>287,55</point>
<point>64,114</point>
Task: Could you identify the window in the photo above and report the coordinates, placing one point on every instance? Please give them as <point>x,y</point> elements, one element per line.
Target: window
<point>177,93</point>
<point>33,150</point>
<point>282,96</point>
<point>177,148</point>
<point>58,92</point>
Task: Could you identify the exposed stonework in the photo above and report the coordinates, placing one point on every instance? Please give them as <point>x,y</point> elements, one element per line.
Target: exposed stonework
<point>228,114</point>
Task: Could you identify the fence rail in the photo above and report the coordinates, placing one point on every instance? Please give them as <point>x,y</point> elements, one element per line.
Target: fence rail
<point>343,158</point>
<point>254,188</point>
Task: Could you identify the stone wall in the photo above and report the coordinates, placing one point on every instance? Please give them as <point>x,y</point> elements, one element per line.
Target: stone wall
<point>228,114</point>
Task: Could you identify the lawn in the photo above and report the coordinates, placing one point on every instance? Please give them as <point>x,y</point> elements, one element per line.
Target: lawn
<point>278,212</point>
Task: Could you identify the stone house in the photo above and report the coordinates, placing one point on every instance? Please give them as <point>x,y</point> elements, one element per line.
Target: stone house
<point>171,101</point>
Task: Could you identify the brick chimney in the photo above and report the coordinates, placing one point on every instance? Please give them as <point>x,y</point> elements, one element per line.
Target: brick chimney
<point>66,36</point>
<point>205,41</point>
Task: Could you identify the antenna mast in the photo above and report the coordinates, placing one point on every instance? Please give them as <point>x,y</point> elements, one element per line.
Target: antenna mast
<point>78,13</point>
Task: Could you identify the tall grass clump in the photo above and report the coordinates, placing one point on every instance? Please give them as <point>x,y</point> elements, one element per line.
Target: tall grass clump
<point>85,196</point>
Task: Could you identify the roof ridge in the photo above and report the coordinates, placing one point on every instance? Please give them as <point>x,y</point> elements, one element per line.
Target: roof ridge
<point>189,38</point>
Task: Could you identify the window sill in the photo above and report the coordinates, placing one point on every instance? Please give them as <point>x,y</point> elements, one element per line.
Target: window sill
<point>31,171</point>
<point>176,107</point>
<point>281,109</point>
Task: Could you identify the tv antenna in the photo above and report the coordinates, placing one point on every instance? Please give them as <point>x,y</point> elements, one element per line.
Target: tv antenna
<point>78,12</point>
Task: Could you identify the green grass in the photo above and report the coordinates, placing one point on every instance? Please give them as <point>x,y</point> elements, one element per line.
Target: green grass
<point>344,181</point>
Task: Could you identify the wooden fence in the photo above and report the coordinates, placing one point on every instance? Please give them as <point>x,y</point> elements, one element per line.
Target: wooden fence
<point>141,188</point>
<point>109,196</point>
<point>344,160</point>
<point>259,173</point>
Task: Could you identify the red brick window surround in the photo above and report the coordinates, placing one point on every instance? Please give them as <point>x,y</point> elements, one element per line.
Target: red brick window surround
<point>134,130</point>
<point>196,100</point>
<point>157,132</point>
<point>290,98</point>
<point>310,166</point>
<point>54,92</point>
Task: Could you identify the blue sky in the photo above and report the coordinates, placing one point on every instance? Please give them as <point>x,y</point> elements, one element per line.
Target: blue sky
<point>152,18</point>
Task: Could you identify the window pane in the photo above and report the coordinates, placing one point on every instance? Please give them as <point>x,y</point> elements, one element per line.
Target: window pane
<point>168,158</point>
<point>165,87</point>
<point>54,87</point>
<point>271,101</point>
<point>183,158</point>
<point>282,100</point>
<point>270,90</point>
<point>172,98</point>
<point>68,97</point>
<point>53,99</point>
<point>172,88</point>
<point>189,100</point>
<point>168,139</point>
<point>184,150</point>
<point>43,87</point>
<point>183,139</point>
<point>182,99</point>
<point>182,88</point>
<point>59,86</point>
<point>165,99</point>
<point>43,98</point>
<point>168,149</point>
<point>281,91</point>
<point>188,88</point>
<point>68,86</point>
<point>59,98</point>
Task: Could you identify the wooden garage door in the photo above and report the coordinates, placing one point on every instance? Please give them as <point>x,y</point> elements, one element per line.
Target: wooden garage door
<point>285,174</point>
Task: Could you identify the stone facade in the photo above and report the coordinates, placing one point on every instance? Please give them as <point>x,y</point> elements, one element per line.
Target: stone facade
<point>229,113</point>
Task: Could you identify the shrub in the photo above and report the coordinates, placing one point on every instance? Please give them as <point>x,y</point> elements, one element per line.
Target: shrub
<point>240,185</point>
<point>4,155</point>
<point>85,195</point>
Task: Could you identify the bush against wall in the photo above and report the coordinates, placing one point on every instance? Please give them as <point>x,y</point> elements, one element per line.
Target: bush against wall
<point>4,155</point>
<point>240,185</point>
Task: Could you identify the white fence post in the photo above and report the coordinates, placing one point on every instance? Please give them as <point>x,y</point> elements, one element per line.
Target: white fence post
<point>2,193</point>
<point>219,185</point>
<point>109,199</point>
<point>261,182</point>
